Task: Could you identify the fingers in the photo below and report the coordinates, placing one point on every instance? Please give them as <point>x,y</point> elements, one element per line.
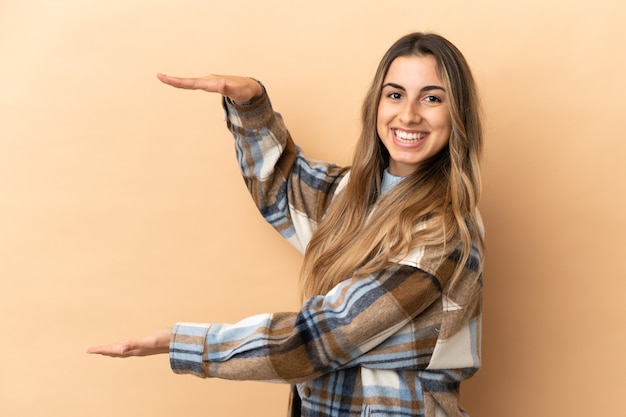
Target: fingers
<point>186,83</point>
<point>116,350</point>
<point>157,343</point>
<point>209,83</point>
<point>239,89</point>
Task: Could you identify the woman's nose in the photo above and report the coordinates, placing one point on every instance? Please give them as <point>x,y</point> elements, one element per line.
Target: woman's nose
<point>410,113</point>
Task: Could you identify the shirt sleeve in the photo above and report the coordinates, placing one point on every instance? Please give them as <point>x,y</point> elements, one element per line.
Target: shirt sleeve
<point>291,192</point>
<point>391,320</point>
<point>328,333</point>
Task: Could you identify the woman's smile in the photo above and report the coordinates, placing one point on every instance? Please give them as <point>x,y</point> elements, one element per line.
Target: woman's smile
<point>404,137</point>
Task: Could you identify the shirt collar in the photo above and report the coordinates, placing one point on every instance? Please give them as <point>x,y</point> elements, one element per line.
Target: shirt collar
<point>389,181</point>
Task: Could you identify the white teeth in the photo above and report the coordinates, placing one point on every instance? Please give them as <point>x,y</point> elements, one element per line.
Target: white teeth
<point>409,136</point>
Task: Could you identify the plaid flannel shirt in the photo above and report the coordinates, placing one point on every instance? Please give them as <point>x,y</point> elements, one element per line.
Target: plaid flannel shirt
<point>392,344</point>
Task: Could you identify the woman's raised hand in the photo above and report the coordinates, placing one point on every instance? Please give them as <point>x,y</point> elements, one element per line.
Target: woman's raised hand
<point>239,89</point>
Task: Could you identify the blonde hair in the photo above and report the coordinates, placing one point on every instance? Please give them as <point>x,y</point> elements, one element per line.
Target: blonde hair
<point>362,233</point>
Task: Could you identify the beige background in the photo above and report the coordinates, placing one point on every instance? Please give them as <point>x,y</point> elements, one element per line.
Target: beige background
<point>121,210</point>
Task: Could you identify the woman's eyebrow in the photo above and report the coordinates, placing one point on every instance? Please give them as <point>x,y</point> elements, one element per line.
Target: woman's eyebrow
<point>423,89</point>
<point>394,85</point>
<point>433,87</point>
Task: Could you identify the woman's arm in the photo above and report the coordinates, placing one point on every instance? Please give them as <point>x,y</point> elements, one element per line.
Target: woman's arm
<point>326,334</point>
<point>291,192</point>
<point>399,318</point>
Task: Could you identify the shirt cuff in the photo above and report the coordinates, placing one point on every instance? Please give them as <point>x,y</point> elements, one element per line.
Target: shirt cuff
<point>187,348</point>
<point>254,115</point>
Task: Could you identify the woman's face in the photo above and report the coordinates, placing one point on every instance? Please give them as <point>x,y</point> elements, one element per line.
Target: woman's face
<point>413,118</point>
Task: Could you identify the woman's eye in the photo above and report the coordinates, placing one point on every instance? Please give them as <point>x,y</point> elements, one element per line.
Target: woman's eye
<point>433,99</point>
<point>394,96</point>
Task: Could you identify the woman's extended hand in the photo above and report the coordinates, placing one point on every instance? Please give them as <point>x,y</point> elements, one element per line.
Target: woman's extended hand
<point>154,344</point>
<point>239,89</point>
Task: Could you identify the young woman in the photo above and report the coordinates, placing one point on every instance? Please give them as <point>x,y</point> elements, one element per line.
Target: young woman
<point>391,278</point>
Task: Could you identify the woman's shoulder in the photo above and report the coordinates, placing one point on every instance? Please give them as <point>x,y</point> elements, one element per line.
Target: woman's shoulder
<point>433,257</point>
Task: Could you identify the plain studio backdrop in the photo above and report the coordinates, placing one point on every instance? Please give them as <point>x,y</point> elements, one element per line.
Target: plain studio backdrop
<point>122,210</point>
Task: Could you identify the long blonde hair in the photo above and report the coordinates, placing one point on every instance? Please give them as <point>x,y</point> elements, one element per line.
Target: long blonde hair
<point>362,233</point>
